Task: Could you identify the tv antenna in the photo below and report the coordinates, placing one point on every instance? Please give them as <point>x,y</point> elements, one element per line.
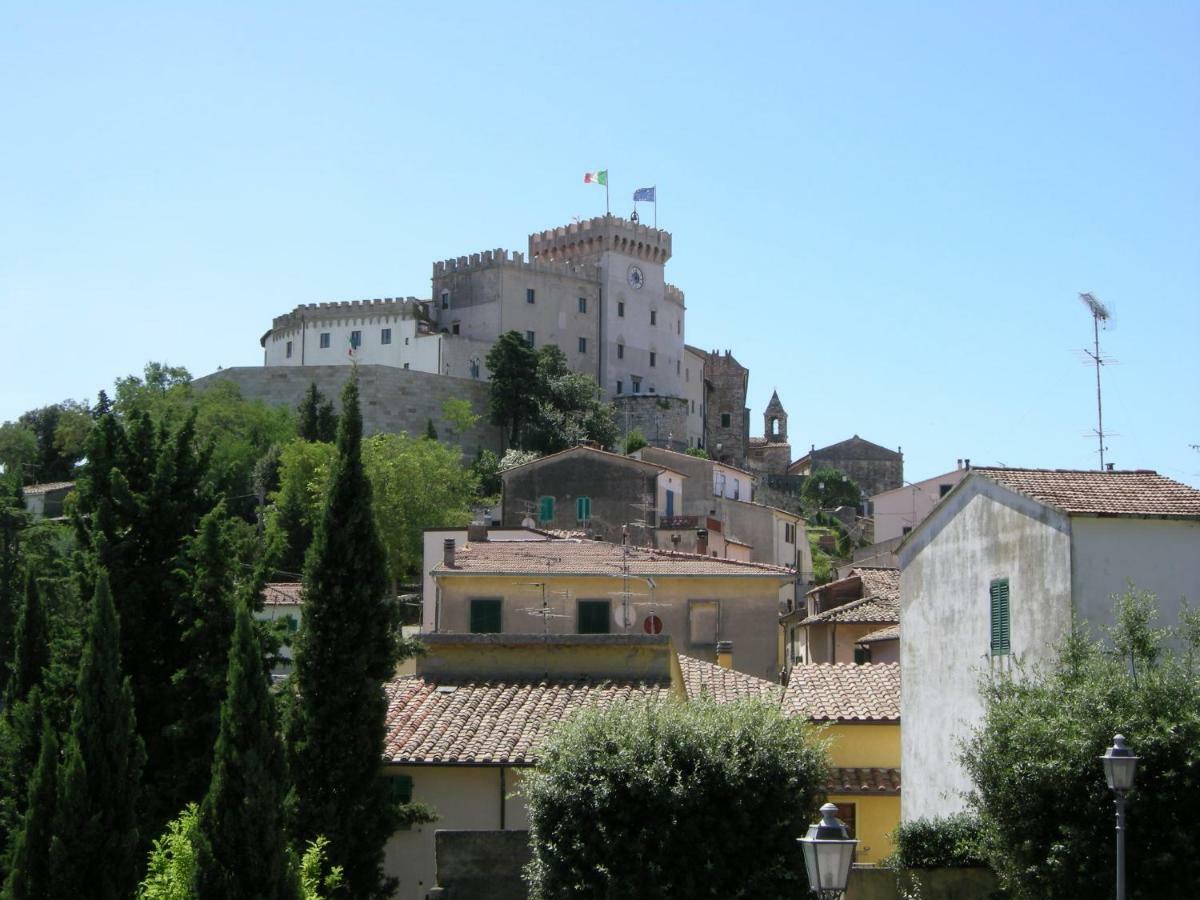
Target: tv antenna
<point>1100,314</point>
<point>544,611</point>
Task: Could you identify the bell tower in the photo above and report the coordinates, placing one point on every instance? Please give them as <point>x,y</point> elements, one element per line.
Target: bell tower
<point>775,421</point>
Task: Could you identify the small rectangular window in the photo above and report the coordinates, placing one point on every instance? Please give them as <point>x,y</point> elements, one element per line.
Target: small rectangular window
<point>592,616</point>
<point>620,351</point>
<point>583,345</point>
<point>583,508</point>
<point>637,384</point>
<point>289,349</point>
<point>693,406</point>
<point>454,328</point>
<point>445,299</point>
<point>704,619</point>
<point>1000,617</point>
<point>546,509</point>
<point>620,309</point>
<point>400,791</point>
<point>406,365</point>
<point>583,304</point>
<point>385,336</point>
<point>529,338</point>
<point>653,359</point>
<point>653,317</point>
<point>678,327</point>
<point>529,295</point>
<point>944,489</point>
<point>485,615</point>
<point>356,339</point>
<point>676,367</point>
<point>324,342</point>
<point>725,420</point>
<point>620,387</point>
<point>406,342</point>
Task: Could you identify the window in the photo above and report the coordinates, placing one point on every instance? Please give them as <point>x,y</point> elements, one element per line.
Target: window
<point>324,342</point>
<point>356,339</point>
<point>583,304</point>
<point>289,349</point>
<point>593,616</point>
<point>406,342</point>
<point>620,309</point>
<point>944,489</point>
<point>445,299</point>
<point>1000,618</point>
<point>454,328</point>
<point>737,489</point>
<point>693,406</point>
<point>905,530</point>
<point>718,484</point>
<point>677,364</point>
<point>529,338</point>
<point>845,812</point>
<point>704,619</point>
<point>385,336</point>
<point>724,420</point>
<point>583,345</point>
<point>406,365</point>
<point>583,508</point>
<point>400,790</point>
<point>678,327</point>
<point>637,384</point>
<point>485,615</point>
<point>529,296</point>
<point>862,656</point>
<point>620,386</point>
<point>620,351</point>
<point>653,358</point>
<point>546,509</point>
<point>653,317</point>
<point>670,503</point>
<point>789,533</point>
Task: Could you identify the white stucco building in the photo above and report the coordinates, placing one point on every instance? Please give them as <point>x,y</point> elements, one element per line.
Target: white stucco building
<point>995,573</point>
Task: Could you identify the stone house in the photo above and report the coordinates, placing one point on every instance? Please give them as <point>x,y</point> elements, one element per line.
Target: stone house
<point>602,494</point>
<point>873,468</point>
<point>45,501</point>
<point>860,707</point>
<point>839,615</point>
<point>997,573</point>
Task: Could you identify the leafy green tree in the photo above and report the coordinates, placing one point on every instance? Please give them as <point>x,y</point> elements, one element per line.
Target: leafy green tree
<point>94,851</point>
<point>240,846</point>
<point>513,395</point>
<point>18,449</point>
<point>344,652</point>
<point>1039,788</point>
<point>570,408</point>
<point>828,488</point>
<point>29,875</point>
<point>635,441</point>
<point>664,799</point>
<point>303,474</point>
<point>460,416</point>
<point>486,470</point>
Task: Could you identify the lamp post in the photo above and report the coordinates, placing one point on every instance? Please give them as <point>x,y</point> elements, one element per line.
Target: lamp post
<point>1120,767</point>
<point>828,854</point>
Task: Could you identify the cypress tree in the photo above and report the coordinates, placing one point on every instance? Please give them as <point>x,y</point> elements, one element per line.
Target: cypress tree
<point>13,520</point>
<point>94,851</point>
<point>343,654</point>
<point>240,837</point>
<point>430,431</point>
<point>309,412</point>
<point>327,423</point>
<point>29,874</point>
<point>31,647</point>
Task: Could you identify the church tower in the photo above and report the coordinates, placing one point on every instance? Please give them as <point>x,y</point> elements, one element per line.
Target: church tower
<point>775,421</point>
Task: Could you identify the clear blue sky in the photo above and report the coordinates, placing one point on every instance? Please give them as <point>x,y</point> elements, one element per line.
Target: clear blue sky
<point>885,210</point>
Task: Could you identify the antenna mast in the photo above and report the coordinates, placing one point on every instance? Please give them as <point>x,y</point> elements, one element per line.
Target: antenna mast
<point>1100,314</point>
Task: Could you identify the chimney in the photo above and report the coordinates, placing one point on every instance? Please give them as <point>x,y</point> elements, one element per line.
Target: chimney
<point>1108,467</point>
<point>725,654</point>
<point>477,533</point>
<point>967,464</point>
<point>702,541</point>
<point>448,553</point>
<point>959,466</point>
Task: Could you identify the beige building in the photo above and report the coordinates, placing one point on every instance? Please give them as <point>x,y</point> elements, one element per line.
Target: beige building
<point>900,510</point>
<point>593,587</point>
<point>839,616</point>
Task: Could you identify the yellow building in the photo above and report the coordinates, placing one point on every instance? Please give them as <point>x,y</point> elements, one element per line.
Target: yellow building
<point>860,704</point>
<point>593,587</point>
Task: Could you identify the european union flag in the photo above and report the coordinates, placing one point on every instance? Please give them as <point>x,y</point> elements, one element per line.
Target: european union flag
<point>646,194</point>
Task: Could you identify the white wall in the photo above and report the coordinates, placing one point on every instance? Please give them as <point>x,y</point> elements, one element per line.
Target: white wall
<point>906,506</point>
<point>668,481</point>
<point>982,533</point>
<point>693,392</point>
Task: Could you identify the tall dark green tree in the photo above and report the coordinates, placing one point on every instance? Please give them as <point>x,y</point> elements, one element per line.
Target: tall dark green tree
<point>240,838</point>
<point>206,625</point>
<point>317,421</point>
<point>512,397</point>
<point>344,652</point>
<point>94,851</point>
<point>29,874</point>
<point>13,520</point>
<point>31,646</point>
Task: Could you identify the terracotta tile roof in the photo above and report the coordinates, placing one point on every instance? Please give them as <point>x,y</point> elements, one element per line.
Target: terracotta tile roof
<point>1129,493</point>
<point>593,558</point>
<point>724,685</point>
<point>842,692</point>
<point>581,449</point>
<point>490,722</point>
<point>47,487</point>
<point>891,633</point>
<point>870,610</point>
<point>863,781</point>
<point>282,593</point>
<point>877,581</point>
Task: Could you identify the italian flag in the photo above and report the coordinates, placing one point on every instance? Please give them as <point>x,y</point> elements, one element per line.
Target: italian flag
<point>600,177</point>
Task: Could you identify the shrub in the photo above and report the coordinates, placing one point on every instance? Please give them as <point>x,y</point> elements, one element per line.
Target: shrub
<point>635,441</point>
<point>674,800</point>
<point>698,452</point>
<point>952,842</point>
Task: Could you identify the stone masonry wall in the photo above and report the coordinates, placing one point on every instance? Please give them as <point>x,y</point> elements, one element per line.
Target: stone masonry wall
<point>661,420</point>
<point>392,399</point>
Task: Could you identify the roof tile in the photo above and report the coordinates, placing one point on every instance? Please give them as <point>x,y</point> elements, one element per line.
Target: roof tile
<point>724,685</point>
<point>1128,493</point>
<point>863,781</point>
<point>842,692</point>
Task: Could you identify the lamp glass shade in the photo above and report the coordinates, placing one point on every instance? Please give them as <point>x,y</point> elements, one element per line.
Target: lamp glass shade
<point>1120,765</point>
<point>828,852</point>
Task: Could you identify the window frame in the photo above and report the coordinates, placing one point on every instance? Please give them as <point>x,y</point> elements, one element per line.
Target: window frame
<point>385,336</point>
<point>288,350</point>
<point>583,305</point>
<point>653,359</point>
<point>323,340</point>
<point>546,503</point>
<point>489,606</point>
<point>530,337</point>
<point>356,339</point>
<point>594,605</point>
<point>530,296</point>
<point>620,309</point>
<point>583,509</point>
<point>583,345</point>
<point>1000,617</point>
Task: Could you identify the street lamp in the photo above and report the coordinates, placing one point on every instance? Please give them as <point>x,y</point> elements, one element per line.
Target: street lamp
<point>1120,767</point>
<point>828,853</point>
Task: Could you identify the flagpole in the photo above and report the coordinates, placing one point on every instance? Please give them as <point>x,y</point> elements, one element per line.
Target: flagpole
<point>656,207</point>
<point>606,177</point>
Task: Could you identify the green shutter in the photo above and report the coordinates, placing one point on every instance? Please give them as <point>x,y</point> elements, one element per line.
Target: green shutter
<point>1000,617</point>
<point>593,616</point>
<point>401,788</point>
<point>583,508</point>
<point>546,509</point>
<point>485,616</point>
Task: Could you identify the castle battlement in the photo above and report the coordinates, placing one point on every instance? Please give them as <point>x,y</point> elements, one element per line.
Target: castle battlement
<point>404,307</point>
<point>673,294</point>
<point>489,259</point>
<point>593,236</point>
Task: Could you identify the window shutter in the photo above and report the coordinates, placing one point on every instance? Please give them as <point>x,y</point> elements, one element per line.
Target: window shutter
<point>1000,617</point>
<point>546,509</point>
<point>485,616</point>
<point>583,508</point>
<point>593,616</point>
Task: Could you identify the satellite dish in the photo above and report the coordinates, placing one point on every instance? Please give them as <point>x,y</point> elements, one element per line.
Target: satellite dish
<point>624,615</point>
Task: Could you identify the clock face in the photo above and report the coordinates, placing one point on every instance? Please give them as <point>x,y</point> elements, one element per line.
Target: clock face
<point>636,278</point>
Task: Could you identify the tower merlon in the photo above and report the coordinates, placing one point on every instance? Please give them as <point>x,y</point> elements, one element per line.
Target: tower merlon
<point>594,236</point>
<point>489,259</point>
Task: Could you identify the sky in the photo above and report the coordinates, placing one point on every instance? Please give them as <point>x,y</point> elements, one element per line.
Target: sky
<point>886,211</point>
